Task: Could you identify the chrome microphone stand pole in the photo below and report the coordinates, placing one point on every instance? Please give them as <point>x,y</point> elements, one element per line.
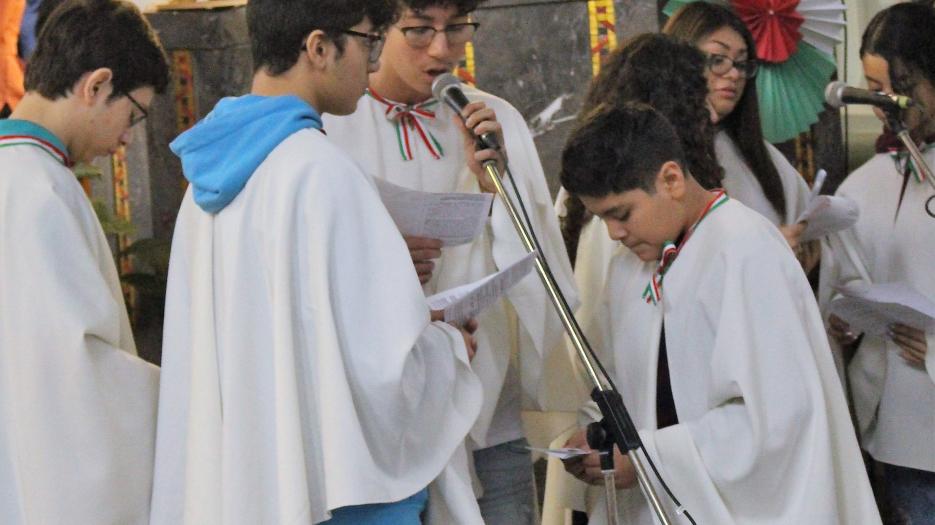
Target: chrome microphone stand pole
<point>895,122</point>
<point>618,427</point>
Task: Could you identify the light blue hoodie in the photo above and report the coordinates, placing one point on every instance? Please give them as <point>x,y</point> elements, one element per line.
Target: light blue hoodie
<point>221,152</point>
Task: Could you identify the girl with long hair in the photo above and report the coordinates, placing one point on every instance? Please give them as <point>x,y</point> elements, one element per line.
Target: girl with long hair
<point>892,376</point>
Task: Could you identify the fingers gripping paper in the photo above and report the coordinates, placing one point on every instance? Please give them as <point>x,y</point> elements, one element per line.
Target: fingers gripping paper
<point>464,302</point>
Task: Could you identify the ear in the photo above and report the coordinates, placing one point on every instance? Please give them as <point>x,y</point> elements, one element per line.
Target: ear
<point>319,49</point>
<point>671,180</point>
<point>95,86</point>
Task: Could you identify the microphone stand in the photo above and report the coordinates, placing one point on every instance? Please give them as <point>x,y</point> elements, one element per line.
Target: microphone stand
<point>616,427</point>
<point>902,132</point>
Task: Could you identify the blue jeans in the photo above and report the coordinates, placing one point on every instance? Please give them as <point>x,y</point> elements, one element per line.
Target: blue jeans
<point>505,472</point>
<point>911,493</point>
<point>405,512</point>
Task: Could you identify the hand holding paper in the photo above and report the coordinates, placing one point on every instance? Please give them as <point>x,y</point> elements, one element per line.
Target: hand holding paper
<point>465,302</point>
<point>873,308</point>
<point>826,214</point>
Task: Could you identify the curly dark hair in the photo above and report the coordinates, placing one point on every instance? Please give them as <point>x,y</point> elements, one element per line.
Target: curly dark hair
<point>904,35</point>
<point>463,6</point>
<point>279,27</point>
<point>694,22</point>
<point>668,75</point>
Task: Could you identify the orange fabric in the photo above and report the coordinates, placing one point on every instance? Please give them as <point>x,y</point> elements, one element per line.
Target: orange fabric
<point>11,68</point>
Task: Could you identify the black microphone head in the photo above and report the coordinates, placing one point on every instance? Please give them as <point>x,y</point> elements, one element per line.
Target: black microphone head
<point>442,83</point>
<point>834,92</point>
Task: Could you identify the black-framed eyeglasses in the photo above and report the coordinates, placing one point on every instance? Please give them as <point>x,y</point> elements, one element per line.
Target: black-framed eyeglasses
<point>456,34</point>
<point>136,119</point>
<point>375,43</point>
<point>721,65</point>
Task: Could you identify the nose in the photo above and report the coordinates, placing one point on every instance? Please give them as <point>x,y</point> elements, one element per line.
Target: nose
<point>615,229</point>
<point>373,67</point>
<point>733,73</point>
<point>126,137</point>
<point>438,47</point>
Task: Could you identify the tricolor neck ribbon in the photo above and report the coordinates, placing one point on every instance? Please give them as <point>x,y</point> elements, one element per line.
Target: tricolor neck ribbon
<point>409,122</point>
<point>21,132</point>
<point>670,250</point>
<point>902,160</point>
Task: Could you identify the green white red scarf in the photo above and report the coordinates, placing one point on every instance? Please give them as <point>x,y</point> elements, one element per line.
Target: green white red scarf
<point>653,292</point>
<point>409,124</point>
<point>903,161</point>
<point>21,139</point>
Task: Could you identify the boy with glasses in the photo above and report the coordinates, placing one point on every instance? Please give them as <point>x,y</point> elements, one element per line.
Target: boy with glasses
<point>401,134</point>
<point>79,407</point>
<point>304,379</point>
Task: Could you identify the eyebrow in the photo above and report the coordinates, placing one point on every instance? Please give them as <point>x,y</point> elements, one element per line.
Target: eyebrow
<point>422,17</point>
<point>741,51</point>
<point>618,209</point>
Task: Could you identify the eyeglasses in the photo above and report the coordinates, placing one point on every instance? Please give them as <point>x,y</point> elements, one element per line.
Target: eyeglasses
<point>136,119</point>
<point>721,65</point>
<point>456,34</point>
<point>375,43</point>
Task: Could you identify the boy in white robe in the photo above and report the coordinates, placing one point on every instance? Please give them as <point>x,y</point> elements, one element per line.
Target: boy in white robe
<point>303,378</point>
<point>77,406</point>
<point>401,134</point>
<point>744,415</point>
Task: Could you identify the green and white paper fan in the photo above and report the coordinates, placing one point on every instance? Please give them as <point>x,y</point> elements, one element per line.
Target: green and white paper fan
<point>791,94</point>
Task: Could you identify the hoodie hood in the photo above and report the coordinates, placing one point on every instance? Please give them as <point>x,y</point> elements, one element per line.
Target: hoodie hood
<point>221,152</point>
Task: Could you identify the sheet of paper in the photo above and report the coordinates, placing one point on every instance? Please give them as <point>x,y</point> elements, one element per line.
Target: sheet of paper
<point>564,453</point>
<point>453,218</point>
<point>827,214</point>
<point>466,301</point>
<point>873,308</point>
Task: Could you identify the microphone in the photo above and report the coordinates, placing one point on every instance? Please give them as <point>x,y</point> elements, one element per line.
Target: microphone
<point>838,94</point>
<point>447,88</point>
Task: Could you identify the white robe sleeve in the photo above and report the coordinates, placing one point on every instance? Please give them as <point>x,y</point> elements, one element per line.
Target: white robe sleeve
<point>77,407</point>
<point>769,448</point>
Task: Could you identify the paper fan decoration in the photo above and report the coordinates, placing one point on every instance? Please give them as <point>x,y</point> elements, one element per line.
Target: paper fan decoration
<point>791,94</point>
<point>795,42</point>
<point>774,25</point>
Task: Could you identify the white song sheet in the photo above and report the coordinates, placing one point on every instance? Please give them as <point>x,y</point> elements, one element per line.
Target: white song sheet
<point>466,301</point>
<point>453,218</point>
<point>826,213</point>
<point>873,308</point>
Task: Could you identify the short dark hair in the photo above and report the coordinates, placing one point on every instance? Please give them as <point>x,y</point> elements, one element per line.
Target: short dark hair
<point>618,148</point>
<point>463,6</point>
<point>904,35</point>
<point>278,28</point>
<point>83,35</point>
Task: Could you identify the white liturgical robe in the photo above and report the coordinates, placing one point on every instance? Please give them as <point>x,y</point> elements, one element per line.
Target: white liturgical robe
<point>301,370</point>
<point>372,141</point>
<point>894,401</point>
<point>77,406</point>
<point>764,434</point>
